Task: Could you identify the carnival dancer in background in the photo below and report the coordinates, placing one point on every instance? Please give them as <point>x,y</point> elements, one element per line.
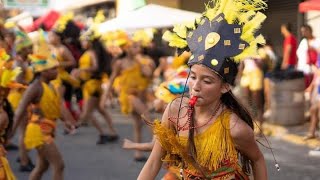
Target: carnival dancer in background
<point>131,76</point>
<point>210,135</point>
<point>7,75</point>
<point>47,107</point>
<point>251,82</point>
<point>165,93</point>
<point>169,90</point>
<point>65,83</point>
<point>23,48</point>
<point>94,67</point>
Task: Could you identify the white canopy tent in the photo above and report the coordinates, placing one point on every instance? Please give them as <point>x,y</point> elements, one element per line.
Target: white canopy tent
<point>66,5</point>
<point>150,16</point>
<point>23,19</point>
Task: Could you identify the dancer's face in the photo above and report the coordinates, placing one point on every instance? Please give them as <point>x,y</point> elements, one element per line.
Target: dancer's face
<point>85,44</point>
<point>53,38</point>
<point>205,84</point>
<point>135,48</point>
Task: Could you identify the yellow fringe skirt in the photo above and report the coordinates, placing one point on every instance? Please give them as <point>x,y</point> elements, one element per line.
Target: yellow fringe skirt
<point>91,88</point>
<point>39,131</point>
<point>5,169</point>
<point>14,97</point>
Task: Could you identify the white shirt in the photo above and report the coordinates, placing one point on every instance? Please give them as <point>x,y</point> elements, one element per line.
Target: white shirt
<point>302,53</point>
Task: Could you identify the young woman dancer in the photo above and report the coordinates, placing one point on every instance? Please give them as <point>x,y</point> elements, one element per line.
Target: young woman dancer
<point>46,109</point>
<point>132,75</point>
<point>23,47</point>
<point>94,65</point>
<point>7,75</point>
<point>211,135</point>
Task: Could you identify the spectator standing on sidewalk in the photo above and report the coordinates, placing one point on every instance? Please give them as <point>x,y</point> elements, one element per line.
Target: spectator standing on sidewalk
<point>306,53</point>
<point>314,90</point>
<point>289,61</point>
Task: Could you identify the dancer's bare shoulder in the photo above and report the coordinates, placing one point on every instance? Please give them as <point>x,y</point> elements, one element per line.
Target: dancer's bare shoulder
<point>174,110</point>
<point>240,131</point>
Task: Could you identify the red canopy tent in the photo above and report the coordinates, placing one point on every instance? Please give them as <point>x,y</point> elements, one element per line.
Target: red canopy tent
<point>47,21</point>
<point>309,6</point>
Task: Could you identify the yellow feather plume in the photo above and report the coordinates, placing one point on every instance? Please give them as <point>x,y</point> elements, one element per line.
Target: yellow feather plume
<point>251,26</point>
<point>251,50</point>
<point>244,18</point>
<point>61,23</point>
<point>174,40</point>
<point>242,12</point>
<point>181,30</point>
<point>7,76</point>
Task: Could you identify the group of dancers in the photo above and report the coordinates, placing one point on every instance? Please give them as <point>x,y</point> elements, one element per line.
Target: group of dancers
<point>205,133</point>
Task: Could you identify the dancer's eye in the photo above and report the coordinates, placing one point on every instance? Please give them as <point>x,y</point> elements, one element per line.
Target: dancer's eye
<point>207,81</point>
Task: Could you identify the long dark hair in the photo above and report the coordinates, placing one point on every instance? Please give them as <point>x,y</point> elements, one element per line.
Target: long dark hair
<point>8,109</point>
<point>104,58</point>
<point>231,102</point>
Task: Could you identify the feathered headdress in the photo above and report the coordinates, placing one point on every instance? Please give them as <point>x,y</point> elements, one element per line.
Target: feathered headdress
<point>7,73</point>
<point>22,41</point>
<point>61,24</point>
<point>143,36</point>
<point>172,88</point>
<point>116,38</point>
<point>225,34</point>
<point>42,59</point>
<point>91,34</point>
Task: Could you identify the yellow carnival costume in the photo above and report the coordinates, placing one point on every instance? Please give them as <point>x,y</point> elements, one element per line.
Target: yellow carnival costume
<point>63,75</point>
<point>225,34</point>
<point>22,41</point>
<point>7,77</point>
<point>41,127</point>
<point>5,169</point>
<point>130,82</point>
<point>90,81</point>
<point>15,95</point>
<point>90,86</point>
<point>216,153</point>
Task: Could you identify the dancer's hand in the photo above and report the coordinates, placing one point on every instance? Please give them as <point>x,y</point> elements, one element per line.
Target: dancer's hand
<point>71,128</point>
<point>75,73</point>
<point>127,144</point>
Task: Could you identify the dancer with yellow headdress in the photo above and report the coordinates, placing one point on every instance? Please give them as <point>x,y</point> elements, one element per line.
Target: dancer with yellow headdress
<point>65,83</point>
<point>210,135</point>
<point>94,68</point>
<point>131,76</point>
<point>46,109</point>
<point>23,47</point>
<point>7,77</point>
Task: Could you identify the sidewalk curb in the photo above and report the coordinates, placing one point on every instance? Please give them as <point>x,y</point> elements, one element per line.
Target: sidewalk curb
<point>283,134</point>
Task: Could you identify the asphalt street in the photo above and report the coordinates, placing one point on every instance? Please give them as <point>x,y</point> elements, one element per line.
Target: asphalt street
<point>84,160</point>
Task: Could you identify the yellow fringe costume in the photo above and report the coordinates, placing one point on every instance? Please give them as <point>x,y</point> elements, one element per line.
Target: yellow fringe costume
<point>41,127</point>
<point>15,95</point>
<point>64,76</point>
<point>216,152</point>
<point>90,86</point>
<point>7,78</point>
<point>5,170</point>
<point>130,82</point>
